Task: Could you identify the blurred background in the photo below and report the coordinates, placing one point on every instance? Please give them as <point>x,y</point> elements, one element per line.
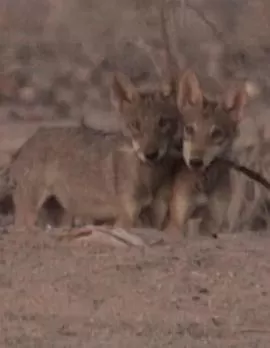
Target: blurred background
<point>56,57</point>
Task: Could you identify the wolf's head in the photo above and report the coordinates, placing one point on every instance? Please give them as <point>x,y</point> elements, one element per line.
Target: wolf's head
<point>149,119</point>
<point>210,127</point>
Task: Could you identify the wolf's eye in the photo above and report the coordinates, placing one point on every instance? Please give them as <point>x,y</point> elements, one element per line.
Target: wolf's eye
<point>189,130</point>
<point>216,133</point>
<point>162,123</point>
<point>136,125</point>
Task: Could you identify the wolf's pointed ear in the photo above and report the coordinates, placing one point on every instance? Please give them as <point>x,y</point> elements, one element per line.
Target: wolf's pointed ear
<point>122,91</point>
<point>189,92</point>
<point>234,101</point>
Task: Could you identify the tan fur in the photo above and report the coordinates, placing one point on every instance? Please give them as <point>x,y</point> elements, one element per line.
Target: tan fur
<point>97,176</point>
<point>204,196</point>
<point>210,127</point>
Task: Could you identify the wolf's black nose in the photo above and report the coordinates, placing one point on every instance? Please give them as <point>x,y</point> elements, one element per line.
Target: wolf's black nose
<point>152,156</point>
<point>196,163</point>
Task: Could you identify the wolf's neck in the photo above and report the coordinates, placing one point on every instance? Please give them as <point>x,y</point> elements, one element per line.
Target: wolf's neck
<point>217,175</point>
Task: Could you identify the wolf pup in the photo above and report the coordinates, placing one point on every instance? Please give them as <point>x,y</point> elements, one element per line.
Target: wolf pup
<point>210,128</point>
<point>97,176</point>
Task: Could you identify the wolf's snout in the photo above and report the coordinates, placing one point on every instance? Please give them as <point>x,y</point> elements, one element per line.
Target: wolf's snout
<point>196,163</point>
<point>152,156</point>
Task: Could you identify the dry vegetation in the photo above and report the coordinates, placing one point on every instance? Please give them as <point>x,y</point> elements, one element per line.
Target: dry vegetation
<point>55,58</point>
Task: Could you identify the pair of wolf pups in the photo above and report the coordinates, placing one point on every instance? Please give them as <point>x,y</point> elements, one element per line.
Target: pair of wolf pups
<point>152,167</point>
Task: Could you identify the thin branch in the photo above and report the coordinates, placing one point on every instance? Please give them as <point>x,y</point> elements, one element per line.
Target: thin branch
<point>183,13</point>
<point>261,331</point>
<point>147,49</point>
<point>218,34</point>
<point>171,63</point>
<point>103,234</point>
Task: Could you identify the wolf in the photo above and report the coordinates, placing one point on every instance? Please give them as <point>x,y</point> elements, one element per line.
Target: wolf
<point>200,182</point>
<point>100,177</point>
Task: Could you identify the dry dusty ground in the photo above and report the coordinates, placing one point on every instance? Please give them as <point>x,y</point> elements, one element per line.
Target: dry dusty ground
<point>200,292</point>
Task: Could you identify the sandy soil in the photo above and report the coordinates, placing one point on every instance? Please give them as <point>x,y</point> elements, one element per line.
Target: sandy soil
<point>199,292</point>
